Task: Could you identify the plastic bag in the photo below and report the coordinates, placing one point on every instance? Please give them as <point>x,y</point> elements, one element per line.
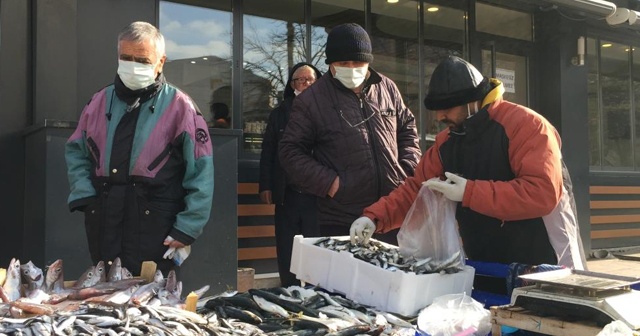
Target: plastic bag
<point>430,230</point>
<point>617,328</point>
<point>454,314</point>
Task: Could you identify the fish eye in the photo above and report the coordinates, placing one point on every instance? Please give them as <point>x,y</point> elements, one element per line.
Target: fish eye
<point>90,274</point>
<point>100,269</point>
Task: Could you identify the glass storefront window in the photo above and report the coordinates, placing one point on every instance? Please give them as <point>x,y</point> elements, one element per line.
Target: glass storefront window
<point>394,35</point>
<point>198,47</point>
<point>274,40</point>
<point>593,104</point>
<point>326,14</point>
<point>504,22</point>
<point>635,75</point>
<point>616,108</point>
<point>445,34</point>
<point>613,106</point>
<point>511,70</point>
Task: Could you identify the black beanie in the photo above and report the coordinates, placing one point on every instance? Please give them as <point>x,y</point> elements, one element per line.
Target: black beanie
<point>455,82</point>
<point>348,42</point>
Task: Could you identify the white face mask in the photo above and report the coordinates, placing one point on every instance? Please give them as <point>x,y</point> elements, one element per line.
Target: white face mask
<point>136,75</point>
<point>351,78</point>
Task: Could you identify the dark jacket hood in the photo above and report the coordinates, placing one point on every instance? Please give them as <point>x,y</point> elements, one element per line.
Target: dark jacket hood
<point>288,90</point>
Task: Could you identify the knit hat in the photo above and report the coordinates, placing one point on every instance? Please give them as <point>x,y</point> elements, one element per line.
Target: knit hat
<point>348,42</point>
<point>455,82</point>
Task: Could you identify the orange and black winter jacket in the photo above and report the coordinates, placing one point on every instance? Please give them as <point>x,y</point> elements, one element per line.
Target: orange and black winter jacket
<point>511,157</point>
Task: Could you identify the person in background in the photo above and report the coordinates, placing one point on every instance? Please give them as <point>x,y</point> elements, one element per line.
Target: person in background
<point>140,162</point>
<point>350,138</point>
<point>501,162</point>
<point>295,210</point>
<point>221,118</point>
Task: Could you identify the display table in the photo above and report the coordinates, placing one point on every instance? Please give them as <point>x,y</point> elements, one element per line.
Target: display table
<point>521,318</point>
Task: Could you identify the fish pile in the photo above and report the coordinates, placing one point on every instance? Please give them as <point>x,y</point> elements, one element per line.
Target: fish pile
<point>298,311</point>
<point>25,284</point>
<point>388,257</point>
<point>111,319</point>
<point>102,303</point>
<point>98,303</point>
<point>270,312</point>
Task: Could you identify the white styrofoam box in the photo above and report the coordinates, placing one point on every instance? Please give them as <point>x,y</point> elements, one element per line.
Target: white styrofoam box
<point>398,292</point>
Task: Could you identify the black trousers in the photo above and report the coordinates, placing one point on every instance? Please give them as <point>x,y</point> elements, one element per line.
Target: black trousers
<point>297,216</point>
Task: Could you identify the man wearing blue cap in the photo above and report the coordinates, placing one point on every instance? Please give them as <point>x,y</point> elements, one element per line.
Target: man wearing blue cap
<point>350,139</point>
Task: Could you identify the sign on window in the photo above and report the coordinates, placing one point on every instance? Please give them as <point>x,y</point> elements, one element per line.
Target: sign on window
<point>508,79</point>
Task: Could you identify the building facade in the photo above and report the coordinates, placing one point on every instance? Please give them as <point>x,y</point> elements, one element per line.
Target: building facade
<point>563,58</point>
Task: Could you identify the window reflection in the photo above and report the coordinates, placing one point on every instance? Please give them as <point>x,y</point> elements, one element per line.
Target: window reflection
<point>511,70</point>
<point>593,104</point>
<point>326,14</point>
<point>613,106</point>
<point>394,35</point>
<point>616,103</point>
<point>198,46</point>
<point>274,40</point>
<point>504,22</point>
<point>445,34</point>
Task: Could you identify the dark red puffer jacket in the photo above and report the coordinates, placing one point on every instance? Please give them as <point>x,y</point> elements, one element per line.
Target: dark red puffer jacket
<point>371,143</point>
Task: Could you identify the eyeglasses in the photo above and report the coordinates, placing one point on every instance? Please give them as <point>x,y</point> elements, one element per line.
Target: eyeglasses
<point>358,124</point>
<point>301,80</point>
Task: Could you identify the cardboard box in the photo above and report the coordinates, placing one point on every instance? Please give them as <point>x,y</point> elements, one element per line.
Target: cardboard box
<point>246,279</point>
<point>398,292</point>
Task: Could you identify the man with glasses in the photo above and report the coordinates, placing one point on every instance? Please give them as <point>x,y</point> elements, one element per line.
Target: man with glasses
<point>350,139</point>
<point>295,210</point>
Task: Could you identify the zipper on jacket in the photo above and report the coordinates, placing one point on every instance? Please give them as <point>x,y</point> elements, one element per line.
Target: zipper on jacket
<point>373,148</point>
<point>95,153</point>
<point>166,152</point>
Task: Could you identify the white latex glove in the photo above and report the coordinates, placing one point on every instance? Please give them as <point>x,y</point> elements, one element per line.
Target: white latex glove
<point>361,230</point>
<point>171,250</point>
<point>452,188</point>
<point>177,254</point>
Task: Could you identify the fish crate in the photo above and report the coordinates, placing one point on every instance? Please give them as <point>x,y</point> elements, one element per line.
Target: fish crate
<point>404,293</point>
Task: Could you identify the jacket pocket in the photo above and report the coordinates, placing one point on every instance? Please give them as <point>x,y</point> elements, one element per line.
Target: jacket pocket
<point>166,152</point>
<point>340,194</point>
<point>95,152</point>
<point>156,221</point>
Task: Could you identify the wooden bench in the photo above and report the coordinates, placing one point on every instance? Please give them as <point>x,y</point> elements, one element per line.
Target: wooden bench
<point>248,232</point>
<point>617,206</point>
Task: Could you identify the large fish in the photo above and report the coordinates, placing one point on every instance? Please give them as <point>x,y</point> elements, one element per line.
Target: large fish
<point>32,276</point>
<point>100,274</point>
<point>85,279</point>
<point>13,284</point>
<point>126,274</point>
<point>92,276</point>
<point>115,271</point>
<point>54,281</point>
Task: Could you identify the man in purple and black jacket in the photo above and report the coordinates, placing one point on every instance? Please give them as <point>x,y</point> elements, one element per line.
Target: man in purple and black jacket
<point>140,162</point>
